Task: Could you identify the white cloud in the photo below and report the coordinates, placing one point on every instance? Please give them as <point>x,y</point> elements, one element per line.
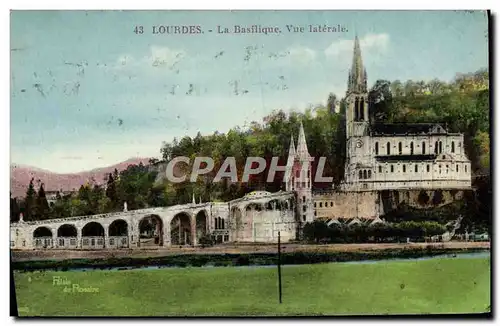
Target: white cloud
<point>371,44</point>
<point>158,56</point>
<point>301,54</point>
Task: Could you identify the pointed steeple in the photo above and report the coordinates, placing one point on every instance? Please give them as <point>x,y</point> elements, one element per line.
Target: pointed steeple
<point>291,150</point>
<point>302,151</point>
<point>357,73</point>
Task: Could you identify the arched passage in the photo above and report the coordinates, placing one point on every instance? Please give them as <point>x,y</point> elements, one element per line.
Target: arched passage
<point>118,234</point>
<point>180,229</point>
<point>201,224</point>
<point>236,223</point>
<point>43,237</point>
<point>93,235</point>
<point>67,236</point>
<point>151,231</point>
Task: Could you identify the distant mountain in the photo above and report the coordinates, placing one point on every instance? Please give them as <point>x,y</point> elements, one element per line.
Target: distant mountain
<point>20,176</point>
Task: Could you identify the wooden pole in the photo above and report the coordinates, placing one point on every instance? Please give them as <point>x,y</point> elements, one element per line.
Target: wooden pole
<point>279,266</point>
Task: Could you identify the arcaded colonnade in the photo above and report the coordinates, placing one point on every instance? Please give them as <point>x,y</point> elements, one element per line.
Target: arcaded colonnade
<point>178,225</point>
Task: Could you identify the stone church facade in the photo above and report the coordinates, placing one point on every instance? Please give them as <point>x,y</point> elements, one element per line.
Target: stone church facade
<point>405,157</point>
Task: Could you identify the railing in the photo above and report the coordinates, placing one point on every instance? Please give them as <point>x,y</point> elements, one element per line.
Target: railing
<point>43,242</point>
<point>118,242</point>
<point>92,242</point>
<point>67,242</point>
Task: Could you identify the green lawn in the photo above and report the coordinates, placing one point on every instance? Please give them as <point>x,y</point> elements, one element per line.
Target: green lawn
<point>448,285</point>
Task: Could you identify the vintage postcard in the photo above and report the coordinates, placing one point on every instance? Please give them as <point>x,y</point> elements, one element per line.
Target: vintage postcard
<point>250,163</point>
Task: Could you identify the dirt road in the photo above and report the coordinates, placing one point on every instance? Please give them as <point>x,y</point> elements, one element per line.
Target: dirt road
<point>228,249</point>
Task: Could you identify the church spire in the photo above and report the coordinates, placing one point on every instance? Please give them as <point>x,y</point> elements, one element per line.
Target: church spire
<point>291,150</point>
<point>302,151</point>
<point>357,74</point>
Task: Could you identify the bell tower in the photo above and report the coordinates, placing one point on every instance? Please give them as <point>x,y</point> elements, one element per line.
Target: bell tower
<point>357,120</point>
<point>357,96</point>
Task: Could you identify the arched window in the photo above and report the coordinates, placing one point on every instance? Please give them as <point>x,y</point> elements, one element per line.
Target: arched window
<point>360,174</point>
<point>388,148</point>
<point>379,169</point>
<point>362,109</point>
<point>436,147</point>
<point>320,204</point>
<point>416,168</point>
<point>376,148</point>
<point>465,166</point>
<point>369,174</point>
<point>365,176</point>
<point>392,168</point>
<point>457,167</point>
<point>453,147</point>
<point>356,110</point>
<point>411,148</point>
<point>400,148</point>
<point>428,168</point>
<point>423,147</point>
<point>404,167</point>
<point>440,147</point>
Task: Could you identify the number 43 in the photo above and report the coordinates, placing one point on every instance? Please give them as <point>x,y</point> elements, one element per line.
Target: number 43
<point>138,30</point>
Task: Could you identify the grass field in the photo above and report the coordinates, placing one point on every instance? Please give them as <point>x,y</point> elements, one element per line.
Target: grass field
<point>445,285</point>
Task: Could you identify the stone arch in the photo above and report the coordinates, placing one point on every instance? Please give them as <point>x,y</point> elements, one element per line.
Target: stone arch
<point>151,231</point>
<point>118,227</point>
<point>67,230</point>
<point>360,174</point>
<point>180,229</point>
<point>118,234</point>
<point>41,232</point>
<point>236,220</point>
<point>43,237</point>
<point>201,221</point>
<point>93,235</point>
<point>67,236</point>
<point>93,229</point>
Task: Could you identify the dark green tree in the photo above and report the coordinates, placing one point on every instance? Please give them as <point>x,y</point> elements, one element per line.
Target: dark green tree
<point>42,205</point>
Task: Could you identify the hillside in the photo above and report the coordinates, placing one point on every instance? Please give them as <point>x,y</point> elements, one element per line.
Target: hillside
<point>20,176</point>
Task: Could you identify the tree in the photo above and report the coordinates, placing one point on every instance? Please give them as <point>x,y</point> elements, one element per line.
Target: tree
<point>111,193</point>
<point>30,202</point>
<point>14,209</point>
<point>380,100</point>
<point>42,205</point>
<point>331,103</point>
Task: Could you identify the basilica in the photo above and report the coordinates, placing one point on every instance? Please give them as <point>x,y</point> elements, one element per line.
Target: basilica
<point>381,158</point>
<point>408,158</point>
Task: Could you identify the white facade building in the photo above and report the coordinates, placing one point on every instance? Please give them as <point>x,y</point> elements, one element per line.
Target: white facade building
<point>397,156</point>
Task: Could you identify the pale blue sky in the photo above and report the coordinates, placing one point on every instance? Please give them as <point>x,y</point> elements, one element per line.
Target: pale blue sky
<point>74,75</point>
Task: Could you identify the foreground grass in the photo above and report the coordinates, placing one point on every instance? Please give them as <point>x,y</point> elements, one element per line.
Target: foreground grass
<point>448,285</point>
